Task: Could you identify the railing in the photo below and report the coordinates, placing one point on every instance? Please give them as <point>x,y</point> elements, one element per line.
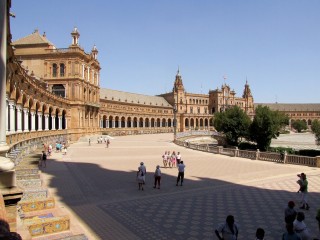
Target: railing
<point>301,160</point>
<point>196,133</point>
<point>254,155</point>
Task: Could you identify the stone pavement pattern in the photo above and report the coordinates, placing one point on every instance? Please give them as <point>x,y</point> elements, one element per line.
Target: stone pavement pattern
<point>98,187</point>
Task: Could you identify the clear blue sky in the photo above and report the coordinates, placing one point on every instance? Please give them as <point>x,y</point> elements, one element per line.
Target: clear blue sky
<point>275,44</point>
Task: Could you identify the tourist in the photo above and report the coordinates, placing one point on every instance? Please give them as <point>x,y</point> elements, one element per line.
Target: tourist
<point>141,175</point>
<point>108,142</point>
<point>290,234</point>
<point>65,150</point>
<point>290,213</point>
<point>143,169</point>
<point>228,230</point>
<point>5,231</point>
<point>173,159</point>
<point>169,159</point>
<point>89,142</point>
<point>300,227</point>
<point>178,158</point>
<point>304,192</point>
<point>181,168</point>
<point>260,234</point>
<point>49,150</point>
<point>164,159</point>
<point>157,177</point>
<point>43,159</point>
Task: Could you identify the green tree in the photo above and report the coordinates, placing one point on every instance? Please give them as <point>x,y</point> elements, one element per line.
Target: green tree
<point>315,127</point>
<point>266,125</point>
<point>234,123</point>
<point>299,125</point>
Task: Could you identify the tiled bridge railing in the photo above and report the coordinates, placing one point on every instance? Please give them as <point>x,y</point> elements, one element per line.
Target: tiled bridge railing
<point>255,155</point>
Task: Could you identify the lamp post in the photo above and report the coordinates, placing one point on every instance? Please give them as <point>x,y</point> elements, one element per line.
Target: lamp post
<point>174,121</point>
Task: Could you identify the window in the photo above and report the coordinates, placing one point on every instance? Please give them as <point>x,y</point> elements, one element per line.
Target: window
<point>58,89</point>
<point>54,70</point>
<point>205,110</point>
<point>191,109</point>
<point>198,110</point>
<point>62,69</point>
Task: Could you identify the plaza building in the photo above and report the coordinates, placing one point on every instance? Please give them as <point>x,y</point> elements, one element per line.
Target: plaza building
<point>73,76</point>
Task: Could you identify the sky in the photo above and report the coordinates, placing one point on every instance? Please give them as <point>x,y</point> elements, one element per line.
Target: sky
<point>273,44</point>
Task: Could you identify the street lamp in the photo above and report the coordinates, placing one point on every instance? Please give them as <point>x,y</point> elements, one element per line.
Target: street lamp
<point>174,121</point>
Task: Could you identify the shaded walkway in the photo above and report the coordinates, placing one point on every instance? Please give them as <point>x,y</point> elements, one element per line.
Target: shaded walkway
<point>98,185</point>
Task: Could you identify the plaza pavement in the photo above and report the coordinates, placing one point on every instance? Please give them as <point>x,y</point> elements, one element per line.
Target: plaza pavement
<point>97,186</point>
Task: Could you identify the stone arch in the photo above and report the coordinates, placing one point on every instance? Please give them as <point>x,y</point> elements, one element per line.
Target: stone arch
<point>191,122</point>
<point>197,122</point>
<point>201,122</point>
<point>129,125</point>
<point>169,122</point>
<point>206,122</point>
<point>163,124</point>
<point>309,122</point>
<point>116,121</point>
<point>141,122</point>
<point>51,112</point>
<point>147,122</point>
<point>135,122</point>
<point>152,122</point>
<point>158,122</point>
<point>186,122</point>
<point>104,121</point>
<point>110,122</point>
<point>64,120</point>
<point>123,122</point>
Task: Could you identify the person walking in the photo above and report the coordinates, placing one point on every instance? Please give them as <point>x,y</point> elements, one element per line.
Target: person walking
<point>65,150</point>
<point>43,159</point>
<point>108,143</point>
<point>290,213</point>
<point>178,157</point>
<point>143,170</point>
<point>157,177</point>
<point>89,142</point>
<point>140,179</point>
<point>181,168</point>
<point>164,159</point>
<point>304,192</point>
<point>228,230</point>
<point>300,227</point>
<point>290,234</point>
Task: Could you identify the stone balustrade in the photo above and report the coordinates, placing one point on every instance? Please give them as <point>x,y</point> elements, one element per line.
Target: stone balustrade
<point>254,155</point>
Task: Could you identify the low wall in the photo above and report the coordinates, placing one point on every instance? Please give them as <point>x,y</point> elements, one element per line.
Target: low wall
<point>254,155</point>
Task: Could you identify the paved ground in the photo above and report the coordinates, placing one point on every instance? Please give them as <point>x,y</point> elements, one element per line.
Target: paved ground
<point>296,141</point>
<point>97,185</point>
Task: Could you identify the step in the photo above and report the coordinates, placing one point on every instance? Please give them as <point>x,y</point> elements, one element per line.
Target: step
<point>29,183</point>
<point>28,177</point>
<point>75,237</point>
<point>46,224</point>
<point>36,204</point>
<point>68,235</point>
<point>33,194</point>
<point>26,171</point>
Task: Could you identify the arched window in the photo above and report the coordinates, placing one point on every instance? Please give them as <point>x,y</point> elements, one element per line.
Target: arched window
<point>62,70</point>
<point>54,70</point>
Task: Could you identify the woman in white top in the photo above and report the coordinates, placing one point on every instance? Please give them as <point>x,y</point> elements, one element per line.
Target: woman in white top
<point>300,227</point>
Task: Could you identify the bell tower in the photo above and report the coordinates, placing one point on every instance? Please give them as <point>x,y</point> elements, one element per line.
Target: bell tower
<point>75,37</point>
<point>249,107</point>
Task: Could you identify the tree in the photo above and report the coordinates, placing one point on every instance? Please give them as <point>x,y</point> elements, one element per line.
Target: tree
<point>234,123</point>
<point>299,125</point>
<point>266,125</point>
<point>315,127</point>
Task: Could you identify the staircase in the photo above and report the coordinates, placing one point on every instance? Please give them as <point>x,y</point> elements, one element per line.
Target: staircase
<point>39,217</point>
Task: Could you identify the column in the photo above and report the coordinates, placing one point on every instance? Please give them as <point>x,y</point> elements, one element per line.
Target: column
<point>119,123</point>
<point>12,116</point>
<point>113,123</point>
<point>26,119</point>
<point>59,122</point>
<point>19,118</point>
<point>46,122</point>
<point>53,122</point>
<point>66,123</point>
<point>83,71</point>
<point>7,115</point>
<point>39,121</point>
<point>33,121</point>
<point>132,124</point>
<point>88,74</point>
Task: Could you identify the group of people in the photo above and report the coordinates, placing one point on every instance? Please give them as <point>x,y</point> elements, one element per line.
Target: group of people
<point>296,228</point>
<point>142,171</point>
<point>61,146</point>
<point>171,160</point>
<point>101,140</point>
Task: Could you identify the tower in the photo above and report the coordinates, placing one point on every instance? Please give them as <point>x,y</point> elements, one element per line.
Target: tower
<point>75,37</point>
<point>249,107</point>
